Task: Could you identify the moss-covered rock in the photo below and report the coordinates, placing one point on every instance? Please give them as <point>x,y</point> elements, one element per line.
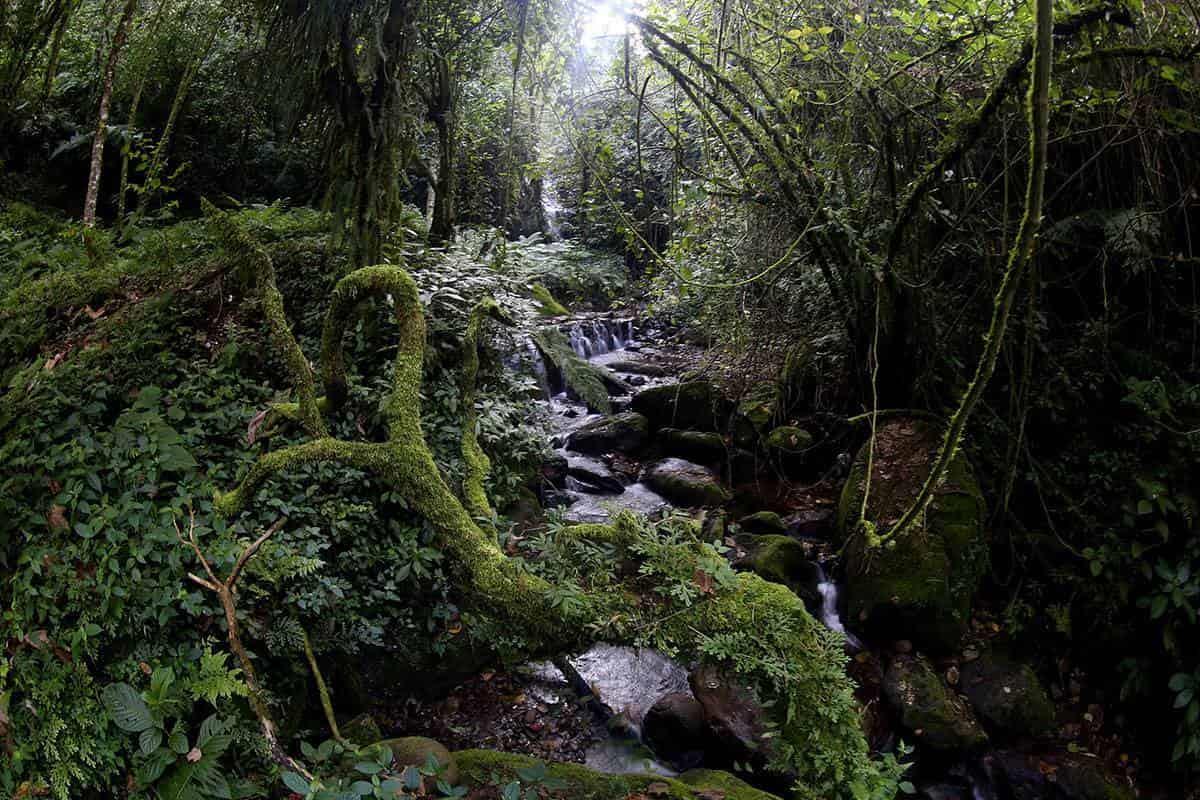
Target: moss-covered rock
<point>480,768</point>
<point>414,751</point>
<point>704,447</point>
<point>782,559</point>
<point>693,404</point>
<point>707,780</point>
<point>547,305</point>
<point>763,523</point>
<point>933,713</point>
<point>686,483</point>
<point>1007,695</point>
<point>920,585</point>
<point>361,729</point>
<point>789,440</point>
<point>1068,776</point>
<point>623,433</point>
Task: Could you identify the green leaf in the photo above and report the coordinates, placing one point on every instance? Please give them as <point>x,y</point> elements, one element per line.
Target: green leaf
<point>126,707</point>
<point>149,740</point>
<point>367,767</point>
<point>295,782</point>
<point>178,743</point>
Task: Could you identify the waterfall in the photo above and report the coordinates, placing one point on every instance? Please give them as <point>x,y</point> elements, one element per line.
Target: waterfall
<point>829,610</point>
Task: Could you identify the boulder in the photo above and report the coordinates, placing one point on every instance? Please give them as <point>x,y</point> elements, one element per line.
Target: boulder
<point>674,728</point>
<point>936,716</point>
<point>623,432</point>
<point>1062,776</point>
<point>694,404</point>
<point>789,440</point>
<point>764,523</point>
<point>685,483</point>
<point>814,523</point>
<point>921,584</point>
<point>554,471</point>
<point>782,559</point>
<point>414,751</point>
<point>594,473</point>
<point>704,447</point>
<point>1007,696</point>
<point>732,713</point>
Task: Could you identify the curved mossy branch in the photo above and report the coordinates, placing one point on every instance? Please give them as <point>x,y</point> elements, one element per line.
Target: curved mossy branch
<point>1038,110</point>
<point>349,294</point>
<point>757,629</point>
<point>300,372</point>
<point>476,464</point>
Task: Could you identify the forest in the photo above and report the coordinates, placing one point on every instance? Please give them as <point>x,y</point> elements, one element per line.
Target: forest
<point>600,399</point>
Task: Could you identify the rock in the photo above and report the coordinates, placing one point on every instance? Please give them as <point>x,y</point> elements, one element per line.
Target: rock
<point>686,483</point>
<point>706,448</point>
<point>637,367</point>
<point>675,730</point>
<point>732,713</point>
<point>600,508</point>
<point>525,510</point>
<point>921,585</point>
<point>1007,696</point>
<point>754,413</point>
<point>937,717</point>
<point>694,404</point>
<point>1063,776</point>
<point>414,751</point>
<point>782,559</point>
<point>623,432</point>
<point>557,499</point>
<point>764,523</point>
<point>741,466</point>
<point>816,523</point>
<point>636,380</point>
<point>790,440</point>
<point>594,472</point>
<point>554,471</point>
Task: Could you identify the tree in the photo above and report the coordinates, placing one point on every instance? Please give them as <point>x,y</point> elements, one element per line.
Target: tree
<point>106,89</point>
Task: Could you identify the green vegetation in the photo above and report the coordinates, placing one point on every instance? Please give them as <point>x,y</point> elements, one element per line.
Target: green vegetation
<point>289,296</point>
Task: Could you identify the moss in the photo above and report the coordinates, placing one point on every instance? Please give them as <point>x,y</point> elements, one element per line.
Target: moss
<point>937,716</point>
<point>763,522</point>
<point>734,787</point>
<point>762,632</point>
<point>789,439</point>
<point>624,432</point>
<point>414,751</point>
<point>686,483</point>
<point>692,404</point>
<point>477,466</point>
<point>920,585</point>
<point>547,305</point>
<point>482,768</point>
<point>782,559</point>
<point>697,445</point>
<point>1007,695</point>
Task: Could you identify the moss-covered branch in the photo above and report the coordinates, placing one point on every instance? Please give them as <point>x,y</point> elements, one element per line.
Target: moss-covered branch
<point>757,630</point>
<point>1019,257</point>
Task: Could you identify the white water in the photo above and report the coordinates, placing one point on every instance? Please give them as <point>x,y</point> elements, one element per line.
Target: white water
<point>829,611</point>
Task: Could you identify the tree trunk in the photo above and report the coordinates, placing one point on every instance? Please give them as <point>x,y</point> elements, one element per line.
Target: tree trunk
<point>110,72</point>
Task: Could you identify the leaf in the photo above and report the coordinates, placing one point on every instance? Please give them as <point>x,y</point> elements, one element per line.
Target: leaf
<point>511,791</point>
<point>367,767</point>
<point>126,707</point>
<point>149,740</point>
<point>295,782</point>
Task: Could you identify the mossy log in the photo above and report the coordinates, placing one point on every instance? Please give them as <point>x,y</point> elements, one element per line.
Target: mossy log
<point>760,631</point>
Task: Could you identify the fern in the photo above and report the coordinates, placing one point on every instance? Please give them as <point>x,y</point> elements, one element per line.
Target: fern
<point>587,380</point>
